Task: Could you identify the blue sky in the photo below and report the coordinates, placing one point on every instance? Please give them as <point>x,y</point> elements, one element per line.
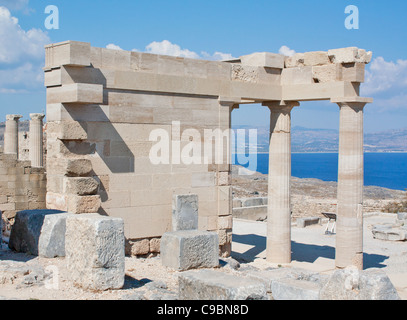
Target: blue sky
<point>213,30</point>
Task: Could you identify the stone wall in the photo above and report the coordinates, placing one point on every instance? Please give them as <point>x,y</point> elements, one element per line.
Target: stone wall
<point>104,108</point>
<point>95,116</point>
<point>21,187</point>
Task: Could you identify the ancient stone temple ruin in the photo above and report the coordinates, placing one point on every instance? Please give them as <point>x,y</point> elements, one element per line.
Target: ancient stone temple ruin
<point>108,111</point>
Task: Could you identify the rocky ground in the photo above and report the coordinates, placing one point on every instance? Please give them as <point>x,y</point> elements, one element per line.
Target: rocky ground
<point>310,197</point>
<point>29,277</point>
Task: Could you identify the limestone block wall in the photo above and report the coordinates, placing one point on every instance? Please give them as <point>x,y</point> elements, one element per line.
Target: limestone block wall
<point>21,187</point>
<point>98,115</point>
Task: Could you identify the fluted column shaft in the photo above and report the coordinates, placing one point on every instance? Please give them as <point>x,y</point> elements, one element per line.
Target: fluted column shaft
<point>279,206</point>
<point>349,226</point>
<point>36,142</point>
<point>11,134</point>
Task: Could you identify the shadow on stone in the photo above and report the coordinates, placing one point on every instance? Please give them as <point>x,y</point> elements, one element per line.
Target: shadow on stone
<point>39,232</point>
<point>301,252</point>
<point>133,283</point>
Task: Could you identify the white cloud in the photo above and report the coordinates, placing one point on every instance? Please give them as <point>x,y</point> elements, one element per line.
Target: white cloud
<point>17,44</point>
<point>14,4</point>
<point>284,50</point>
<point>113,47</point>
<point>165,47</point>
<point>21,54</point>
<point>217,56</point>
<point>22,78</point>
<point>385,77</point>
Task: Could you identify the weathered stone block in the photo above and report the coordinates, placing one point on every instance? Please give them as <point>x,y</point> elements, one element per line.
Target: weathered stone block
<point>189,249</point>
<point>264,59</point>
<point>402,215</point>
<point>213,285</point>
<point>316,58</point>
<point>292,289</point>
<point>81,93</point>
<point>258,213</point>
<point>69,167</point>
<point>185,212</point>
<point>389,233</point>
<point>137,247</point>
<point>327,73</point>
<point>39,232</point>
<point>67,130</point>
<point>269,276</point>
<point>352,284</point>
<point>71,53</point>
<point>95,251</point>
<point>349,55</point>
<point>297,60</point>
<point>353,72</point>
<point>253,202</point>
<point>83,204</point>
<point>80,186</point>
<point>299,75</point>
<point>307,221</point>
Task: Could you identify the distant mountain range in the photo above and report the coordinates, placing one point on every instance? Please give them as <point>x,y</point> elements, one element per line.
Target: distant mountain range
<point>308,140</point>
<point>327,140</point>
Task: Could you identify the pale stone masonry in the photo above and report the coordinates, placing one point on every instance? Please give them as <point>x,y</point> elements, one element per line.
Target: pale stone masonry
<point>22,187</point>
<point>11,134</point>
<point>103,106</point>
<point>36,140</point>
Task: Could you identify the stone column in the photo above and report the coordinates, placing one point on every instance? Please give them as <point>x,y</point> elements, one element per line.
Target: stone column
<point>36,143</point>
<point>279,206</point>
<point>11,134</point>
<point>349,226</point>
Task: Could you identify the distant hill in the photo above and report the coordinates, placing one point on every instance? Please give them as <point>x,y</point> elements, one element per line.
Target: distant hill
<point>327,140</point>
<point>307,140</point>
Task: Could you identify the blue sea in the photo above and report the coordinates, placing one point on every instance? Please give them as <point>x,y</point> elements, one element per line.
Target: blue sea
<point>388,170</point>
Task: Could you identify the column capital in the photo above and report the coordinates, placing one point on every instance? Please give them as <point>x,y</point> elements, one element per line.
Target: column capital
<point>280,105</point>
<point>230,102</point>
<point>37,116</point>
<point>352,101</point>
<point>13,117</point>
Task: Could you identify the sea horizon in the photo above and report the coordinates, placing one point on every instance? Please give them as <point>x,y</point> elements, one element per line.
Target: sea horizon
<point>381,169</point>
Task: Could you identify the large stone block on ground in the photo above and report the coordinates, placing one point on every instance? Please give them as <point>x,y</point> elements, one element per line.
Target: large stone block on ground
<point>269,276</point>
<point>402,216</point>
<point>39,232</point>
<point>95,251</point>
<point>215,285</point>
<point>293,289</point>
<point>389,232</point>
<point>307,221</point>
<point>185,212</point>
<point>352,284</point>
<point>190,249</point>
